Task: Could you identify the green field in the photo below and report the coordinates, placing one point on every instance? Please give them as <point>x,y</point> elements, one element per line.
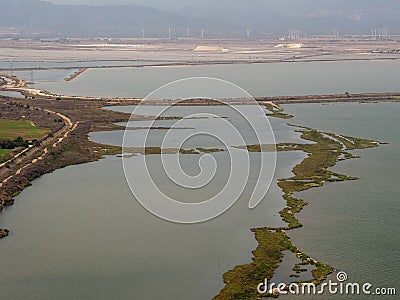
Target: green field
<point>10,130</point>
<point>5,154</point>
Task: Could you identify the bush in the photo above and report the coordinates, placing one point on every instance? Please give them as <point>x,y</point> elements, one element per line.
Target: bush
<point>11,144</point>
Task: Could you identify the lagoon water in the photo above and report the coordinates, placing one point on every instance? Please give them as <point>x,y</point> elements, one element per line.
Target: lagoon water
<point>6,65</point>
<point>353,225</point>
<point>78,233</point>
<point>271,79</point>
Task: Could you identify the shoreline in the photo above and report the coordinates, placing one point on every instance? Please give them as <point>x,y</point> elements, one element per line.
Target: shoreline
<point>168,64</point>
<point>65,146</point>
<point>311,172</point>
<point>18,85</point>
<point>76,74</point>
<point>89,116</point>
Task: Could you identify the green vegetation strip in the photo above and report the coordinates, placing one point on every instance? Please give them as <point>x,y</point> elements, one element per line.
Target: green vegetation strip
<point>11,129</point>
<point>325,151</point>
<point>5,154</point>
<point>276,111</point>
<point>158,150</point>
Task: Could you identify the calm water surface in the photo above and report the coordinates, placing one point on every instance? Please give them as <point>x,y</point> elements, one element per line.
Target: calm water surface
<point>78,233</point>
<point>353,226</point>
<point>272,79</point>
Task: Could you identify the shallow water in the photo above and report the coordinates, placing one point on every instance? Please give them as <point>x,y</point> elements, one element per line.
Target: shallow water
<point>44,75</point>
<point>10,94</point>
<point>273,79</point>
<point>78,233</point>
<point>353,226</point>
<point>72,63</point>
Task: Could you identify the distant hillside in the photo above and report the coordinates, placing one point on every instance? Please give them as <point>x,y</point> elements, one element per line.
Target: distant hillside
<point>73,20</point>
<point>309,16</point>
<point>219,18</point>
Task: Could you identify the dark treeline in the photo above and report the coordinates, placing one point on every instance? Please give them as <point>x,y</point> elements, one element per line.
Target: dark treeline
<point>12,144</point>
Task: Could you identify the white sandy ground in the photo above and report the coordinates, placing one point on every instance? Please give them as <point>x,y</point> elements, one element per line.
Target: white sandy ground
<point>184,50</point>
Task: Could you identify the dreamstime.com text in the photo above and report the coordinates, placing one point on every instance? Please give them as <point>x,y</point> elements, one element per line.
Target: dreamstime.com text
<point>342,287</point>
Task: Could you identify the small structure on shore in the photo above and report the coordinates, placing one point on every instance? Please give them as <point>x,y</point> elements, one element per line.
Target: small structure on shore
<point>290,46</point>
<point>210,49</point>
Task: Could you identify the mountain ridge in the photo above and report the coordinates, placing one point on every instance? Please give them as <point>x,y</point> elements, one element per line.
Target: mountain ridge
<point>130,20</point>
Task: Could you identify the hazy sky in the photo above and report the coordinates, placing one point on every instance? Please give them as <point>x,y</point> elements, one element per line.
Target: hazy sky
<point>261,16</point>
<point>154,3</point>
<point>278,5</point>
